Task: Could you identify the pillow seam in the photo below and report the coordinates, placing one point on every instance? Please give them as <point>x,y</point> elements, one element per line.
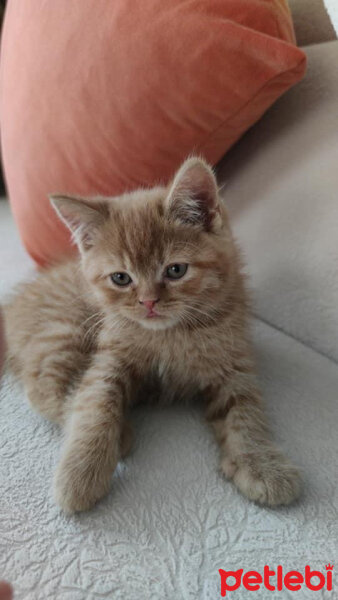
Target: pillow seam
<point>302,61</point>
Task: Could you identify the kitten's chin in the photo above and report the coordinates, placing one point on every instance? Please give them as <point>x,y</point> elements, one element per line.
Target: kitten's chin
<point>159,323</point>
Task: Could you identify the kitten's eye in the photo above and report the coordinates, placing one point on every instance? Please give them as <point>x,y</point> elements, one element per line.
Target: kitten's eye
<point>176,271</point>
<point>120,278</point>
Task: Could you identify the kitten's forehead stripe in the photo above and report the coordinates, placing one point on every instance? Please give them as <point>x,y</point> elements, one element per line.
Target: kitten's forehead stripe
<point>140,238</point>
<point>145,238</point>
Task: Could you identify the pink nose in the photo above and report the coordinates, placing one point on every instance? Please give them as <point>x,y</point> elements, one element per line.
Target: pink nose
<point>149,303</point>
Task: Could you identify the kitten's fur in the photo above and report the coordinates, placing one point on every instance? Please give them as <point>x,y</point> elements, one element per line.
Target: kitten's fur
<point>86,351</point>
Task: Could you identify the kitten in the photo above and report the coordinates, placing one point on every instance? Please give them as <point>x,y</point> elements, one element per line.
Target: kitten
<point>156,298</point>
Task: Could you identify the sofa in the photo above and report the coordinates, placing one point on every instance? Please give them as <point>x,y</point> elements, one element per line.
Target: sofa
<point>171,521</point>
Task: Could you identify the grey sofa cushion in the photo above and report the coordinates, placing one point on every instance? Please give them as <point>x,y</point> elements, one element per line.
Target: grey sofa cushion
<point>312,22</point>
<point>282,194</point>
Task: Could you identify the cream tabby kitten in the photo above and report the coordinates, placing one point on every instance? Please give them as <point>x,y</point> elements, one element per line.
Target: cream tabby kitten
<point>155,305</point>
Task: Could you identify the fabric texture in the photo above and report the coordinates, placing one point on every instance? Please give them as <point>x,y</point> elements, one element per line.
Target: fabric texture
<point>171,521</point>
<point>281,192</point>
<point>102,97</point>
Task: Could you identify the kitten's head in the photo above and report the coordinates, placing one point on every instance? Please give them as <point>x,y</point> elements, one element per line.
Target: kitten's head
<point>159,257</point>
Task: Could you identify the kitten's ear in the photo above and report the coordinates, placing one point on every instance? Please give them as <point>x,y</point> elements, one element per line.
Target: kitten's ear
<point>82,216</point>
<point>193,196</point>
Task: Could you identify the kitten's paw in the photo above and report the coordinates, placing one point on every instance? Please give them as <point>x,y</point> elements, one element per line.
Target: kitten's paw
<point>267,478</point>
<point>79,485</point>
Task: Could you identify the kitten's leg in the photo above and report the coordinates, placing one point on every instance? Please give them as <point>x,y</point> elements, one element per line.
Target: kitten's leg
<point>93,435</point>
<point>248,456</point>
<point>51,373</point>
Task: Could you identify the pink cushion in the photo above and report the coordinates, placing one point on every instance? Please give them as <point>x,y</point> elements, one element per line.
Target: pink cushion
<point>103,97</point>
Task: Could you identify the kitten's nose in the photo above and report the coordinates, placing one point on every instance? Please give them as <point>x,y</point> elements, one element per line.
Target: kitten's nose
<point>149,303</point>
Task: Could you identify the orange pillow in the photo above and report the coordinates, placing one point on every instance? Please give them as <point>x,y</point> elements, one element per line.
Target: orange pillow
<point>103,97</point>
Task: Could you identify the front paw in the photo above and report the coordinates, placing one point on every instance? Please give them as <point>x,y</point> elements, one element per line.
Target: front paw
<point>78,484</point>
<point>265,477</point>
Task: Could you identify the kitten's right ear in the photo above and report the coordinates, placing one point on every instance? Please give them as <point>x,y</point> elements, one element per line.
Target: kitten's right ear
<point>193,197</point>
<point>82,216</point>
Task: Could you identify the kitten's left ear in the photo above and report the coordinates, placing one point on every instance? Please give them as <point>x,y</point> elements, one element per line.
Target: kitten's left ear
<point>193,196</point>
<point>83,216</point>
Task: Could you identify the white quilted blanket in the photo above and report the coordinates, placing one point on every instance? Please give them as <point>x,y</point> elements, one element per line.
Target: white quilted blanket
<point>170,521</point>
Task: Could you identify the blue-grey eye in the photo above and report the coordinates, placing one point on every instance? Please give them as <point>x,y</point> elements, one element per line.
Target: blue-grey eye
<point>176,271</point>
<point>121,278</point>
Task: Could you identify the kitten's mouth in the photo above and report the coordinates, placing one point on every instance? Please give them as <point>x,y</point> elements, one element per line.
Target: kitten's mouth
<point>154,320</point>
<point>152,314</point>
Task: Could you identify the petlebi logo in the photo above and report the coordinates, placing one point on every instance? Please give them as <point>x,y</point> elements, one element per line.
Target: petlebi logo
<point>275,580</point>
